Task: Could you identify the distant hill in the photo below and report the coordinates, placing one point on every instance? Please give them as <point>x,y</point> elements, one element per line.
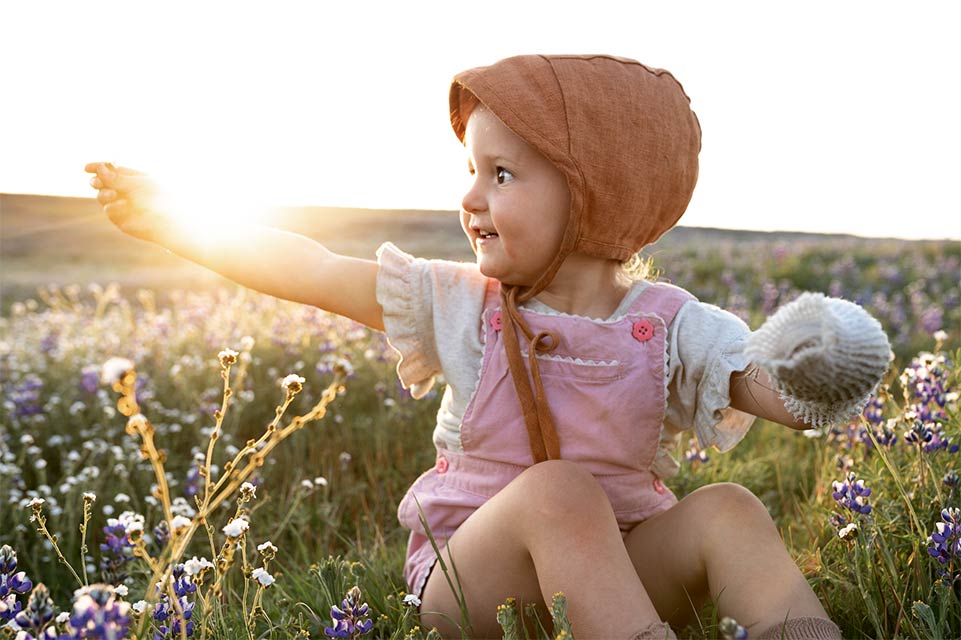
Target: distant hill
<point>47,239</point>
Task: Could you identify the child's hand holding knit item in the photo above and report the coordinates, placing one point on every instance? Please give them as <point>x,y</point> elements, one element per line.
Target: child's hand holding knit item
<point>826,356</point>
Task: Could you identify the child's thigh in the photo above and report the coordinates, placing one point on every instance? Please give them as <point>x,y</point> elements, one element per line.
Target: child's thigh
<point>492,564</point>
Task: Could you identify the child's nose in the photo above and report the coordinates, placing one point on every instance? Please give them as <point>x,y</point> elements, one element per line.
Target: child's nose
<point>473,201</point>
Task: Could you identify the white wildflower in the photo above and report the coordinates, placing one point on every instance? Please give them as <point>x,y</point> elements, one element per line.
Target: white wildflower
<point>320,481</point>
<point>267,546</point>
<point>89,496</point>
<point>121,497</point>
<point>140,606</point>
<point>236,528</point>
<point>131,522</point>
<point>179,522</point>
<point>121,590</point>
<point>35,503</point>
<point>849,531</point>
<point>227,357</point>
<point>260,575</point>
<point>195,565</point>
<point>248,490</point>
<point>411,600</point>
<point>114,369</point>
<point>940,335</point>
<point>293,383</point>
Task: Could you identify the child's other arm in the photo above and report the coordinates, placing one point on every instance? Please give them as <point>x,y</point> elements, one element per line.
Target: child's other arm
<point>753,392</point>
<point>816,362</point>
<point>272,261</point>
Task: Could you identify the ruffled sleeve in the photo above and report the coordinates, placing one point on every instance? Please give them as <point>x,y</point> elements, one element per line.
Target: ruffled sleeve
<point>432,317</point>
<point>706,346</point>
<point>404,292</point>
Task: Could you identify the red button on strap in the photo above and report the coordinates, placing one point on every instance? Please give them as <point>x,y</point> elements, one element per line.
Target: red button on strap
<point>441,465</point>
<point>642,330</point>
<point>496,321</point>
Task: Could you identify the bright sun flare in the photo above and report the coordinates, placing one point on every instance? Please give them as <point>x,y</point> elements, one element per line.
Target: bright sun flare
<point>209,203</point>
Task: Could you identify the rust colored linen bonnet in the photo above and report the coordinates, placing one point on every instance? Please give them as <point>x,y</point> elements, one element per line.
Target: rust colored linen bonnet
<point>626,140</point>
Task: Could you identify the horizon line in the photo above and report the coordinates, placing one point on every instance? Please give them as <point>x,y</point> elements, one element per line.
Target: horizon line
<point>842,234</point>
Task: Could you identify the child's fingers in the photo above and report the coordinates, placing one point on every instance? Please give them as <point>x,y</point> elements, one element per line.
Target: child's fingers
<point>96,182</point>
<point>117,212</point>
<point>92,167</point>
<point>106,196</point>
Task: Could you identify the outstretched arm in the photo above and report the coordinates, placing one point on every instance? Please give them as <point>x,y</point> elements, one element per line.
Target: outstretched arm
<point>817,359</point>
<point>272,261</point>
<point>753,392</point>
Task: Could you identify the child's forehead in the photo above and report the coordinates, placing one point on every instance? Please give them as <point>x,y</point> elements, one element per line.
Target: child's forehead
<point>485,131</point>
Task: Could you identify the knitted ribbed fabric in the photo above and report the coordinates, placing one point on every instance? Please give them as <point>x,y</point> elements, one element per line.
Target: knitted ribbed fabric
<point>801,629</point>
<point>826,356</point>
<point>655,631</point>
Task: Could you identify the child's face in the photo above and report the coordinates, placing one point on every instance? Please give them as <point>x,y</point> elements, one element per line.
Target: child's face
<point>517,195</point>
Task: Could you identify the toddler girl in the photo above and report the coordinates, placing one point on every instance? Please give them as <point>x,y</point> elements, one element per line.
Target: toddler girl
<point>567,381</point>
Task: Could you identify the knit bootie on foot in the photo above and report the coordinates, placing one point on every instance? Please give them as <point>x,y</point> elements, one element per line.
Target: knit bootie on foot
<point>801,629</point>
<point>655,631</point>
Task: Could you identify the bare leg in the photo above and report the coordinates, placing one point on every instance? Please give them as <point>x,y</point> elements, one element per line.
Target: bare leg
<point>720,542</point>
<point>552,529</point>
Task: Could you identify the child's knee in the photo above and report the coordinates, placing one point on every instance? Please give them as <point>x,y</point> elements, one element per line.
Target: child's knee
<point>561,491</point>
<point>727,506</point>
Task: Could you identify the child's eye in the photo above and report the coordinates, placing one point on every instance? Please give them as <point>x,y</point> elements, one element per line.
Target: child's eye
<point>504,175</point>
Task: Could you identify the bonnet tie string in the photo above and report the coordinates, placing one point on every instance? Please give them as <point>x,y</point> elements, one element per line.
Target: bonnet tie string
<point>541,433</point>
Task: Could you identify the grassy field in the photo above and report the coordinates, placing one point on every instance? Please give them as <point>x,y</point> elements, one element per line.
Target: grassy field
<point>326,496</point>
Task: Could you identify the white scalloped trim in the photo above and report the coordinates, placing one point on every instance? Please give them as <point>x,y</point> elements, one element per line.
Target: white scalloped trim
<point>570,360</point>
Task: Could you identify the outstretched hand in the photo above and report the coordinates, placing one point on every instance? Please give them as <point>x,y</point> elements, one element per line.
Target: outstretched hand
<point>129,198</point>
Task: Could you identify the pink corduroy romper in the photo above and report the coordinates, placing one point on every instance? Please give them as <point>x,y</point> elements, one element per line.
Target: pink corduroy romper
<point>605,382</point>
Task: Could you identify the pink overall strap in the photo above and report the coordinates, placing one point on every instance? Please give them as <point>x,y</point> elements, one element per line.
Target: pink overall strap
<point>662,299</point>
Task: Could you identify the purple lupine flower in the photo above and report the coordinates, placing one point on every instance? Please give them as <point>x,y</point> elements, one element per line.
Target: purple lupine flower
<point>161,534</point>
<point>12,584</point>
<point>944,545</point>
<point>90,378</point>
<point>116,551</point>
<point>97,613</point>
<point>920,434</point>
<point>694,454</point>
<point>35,619</point>
<point>950,480</point>
<point>886,436</point>
<point>192,483</point>
<point>873,411</point>
<point>350,618</point>
<point>171,624</point>
<point>26,397</point>
<point>932,319</point>
<point>182,583</point>
<point>731,630</point>
<point>926,382</point>
<point>852,494</point>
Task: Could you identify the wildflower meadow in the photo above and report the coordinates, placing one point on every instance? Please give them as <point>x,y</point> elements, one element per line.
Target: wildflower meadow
<point>220,464</point>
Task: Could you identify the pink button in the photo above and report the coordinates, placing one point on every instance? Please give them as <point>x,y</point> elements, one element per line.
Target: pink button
<point>441,465</point>
<point>496,321</point>
<point>658,485</point>
<point>642,331</point>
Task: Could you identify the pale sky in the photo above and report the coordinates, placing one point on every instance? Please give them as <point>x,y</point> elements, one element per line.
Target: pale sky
<point>817,116</point>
